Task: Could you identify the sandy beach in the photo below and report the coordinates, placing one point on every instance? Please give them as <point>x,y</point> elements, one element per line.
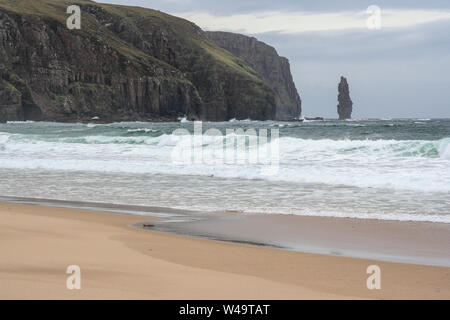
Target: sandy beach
<point>118,261</point>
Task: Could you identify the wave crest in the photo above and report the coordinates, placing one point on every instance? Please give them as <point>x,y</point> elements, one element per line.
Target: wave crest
<point>444,148</point>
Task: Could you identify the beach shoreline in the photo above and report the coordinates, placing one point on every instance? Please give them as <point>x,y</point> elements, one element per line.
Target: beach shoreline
<point>118,261</point>
<point>414,242</point>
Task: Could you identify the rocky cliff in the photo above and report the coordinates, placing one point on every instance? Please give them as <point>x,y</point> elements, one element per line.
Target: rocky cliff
<point>272,68</point>
<point>125,63</point>
<point>345,106</point>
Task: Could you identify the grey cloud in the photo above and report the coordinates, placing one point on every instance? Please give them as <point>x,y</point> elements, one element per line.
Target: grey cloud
<point>392,73</point>
<point>398,73</point>
<point>245,6</point>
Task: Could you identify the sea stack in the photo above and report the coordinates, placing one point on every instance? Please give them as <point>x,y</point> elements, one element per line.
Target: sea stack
<point>345,106</point>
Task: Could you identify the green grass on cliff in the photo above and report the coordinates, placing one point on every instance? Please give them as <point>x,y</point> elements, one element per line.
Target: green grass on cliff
<point>186,31</point>
<point>190,33</point>
<point>56,9</point>
<point>51,8</point>
<point>4,85</point>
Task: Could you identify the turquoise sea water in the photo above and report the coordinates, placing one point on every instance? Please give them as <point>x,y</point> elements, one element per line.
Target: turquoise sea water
<point>383,169</point>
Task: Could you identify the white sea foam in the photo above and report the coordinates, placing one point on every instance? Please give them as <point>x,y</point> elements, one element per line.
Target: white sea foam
<point>444,148</point>
<point>403,165</point>
<point>145,130</point>
<point>369,179</point>
<point>356,215</point>
<point>19,122</point>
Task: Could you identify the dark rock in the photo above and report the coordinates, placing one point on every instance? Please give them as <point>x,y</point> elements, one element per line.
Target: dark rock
<point>124,64</point>
<point>345,106</point>
<point>272,68</point>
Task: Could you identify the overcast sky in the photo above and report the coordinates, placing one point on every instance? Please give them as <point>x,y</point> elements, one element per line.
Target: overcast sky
<point>400,70</point>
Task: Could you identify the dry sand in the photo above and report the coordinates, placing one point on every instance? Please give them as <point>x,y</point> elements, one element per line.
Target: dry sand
<point>120,262</point>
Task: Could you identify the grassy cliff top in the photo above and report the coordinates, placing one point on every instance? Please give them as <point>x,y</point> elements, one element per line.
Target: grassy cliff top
<point>190,35</point>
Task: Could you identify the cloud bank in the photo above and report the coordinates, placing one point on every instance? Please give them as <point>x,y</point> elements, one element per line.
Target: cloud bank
<point>398,71</point>
<point>298,22</point>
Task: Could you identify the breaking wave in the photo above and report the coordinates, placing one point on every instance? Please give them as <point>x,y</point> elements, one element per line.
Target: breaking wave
<point>410,165</point>
<point>362,169</point>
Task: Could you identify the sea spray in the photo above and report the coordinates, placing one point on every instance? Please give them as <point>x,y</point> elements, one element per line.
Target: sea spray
<point>444,148</point>
<point>360,169</point>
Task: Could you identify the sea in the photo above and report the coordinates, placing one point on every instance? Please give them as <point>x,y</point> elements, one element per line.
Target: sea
<point>388,169</point>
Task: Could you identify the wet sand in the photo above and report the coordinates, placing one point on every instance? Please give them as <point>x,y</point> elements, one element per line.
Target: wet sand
<point>395,241</point>
<point>118,261</point>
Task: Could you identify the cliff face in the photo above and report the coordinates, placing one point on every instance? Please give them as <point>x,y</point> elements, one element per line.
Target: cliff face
<point>125,63</point>
<point>272,68</point>
<point>345,106</point>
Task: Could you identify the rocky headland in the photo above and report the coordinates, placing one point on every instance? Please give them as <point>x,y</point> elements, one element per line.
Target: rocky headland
<point>130,63</point>
<point>273,69</point>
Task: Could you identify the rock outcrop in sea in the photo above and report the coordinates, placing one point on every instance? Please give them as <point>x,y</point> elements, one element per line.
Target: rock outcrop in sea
<point>345,106</point>
<point>126,64</point>
<point>272,68</point>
